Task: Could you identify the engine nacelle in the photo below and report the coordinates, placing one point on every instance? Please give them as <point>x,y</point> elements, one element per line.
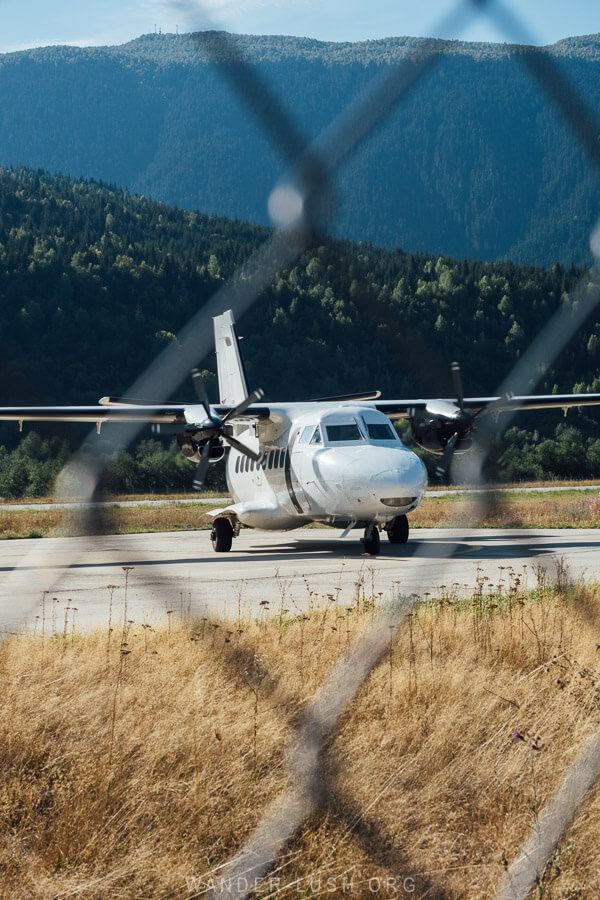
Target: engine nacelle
<point>432,433</point>
<point>192,448</point>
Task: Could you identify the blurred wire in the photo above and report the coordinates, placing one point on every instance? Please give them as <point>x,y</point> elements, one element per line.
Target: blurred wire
<point>300,205</point>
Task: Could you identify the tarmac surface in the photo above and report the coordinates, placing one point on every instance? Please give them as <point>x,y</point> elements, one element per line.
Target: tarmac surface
<point>180,572</point>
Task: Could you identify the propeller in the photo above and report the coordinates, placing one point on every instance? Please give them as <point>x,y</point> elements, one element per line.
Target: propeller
<point>216,425</point>
<point>458,419</point>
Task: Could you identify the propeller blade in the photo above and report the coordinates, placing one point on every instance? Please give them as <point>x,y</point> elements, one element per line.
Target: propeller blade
<point>201,468</point>
<point>242,448</point>
<point>243,406</point>
<point>458,386</point>
<point>441,470</point>
<point>198,383</point>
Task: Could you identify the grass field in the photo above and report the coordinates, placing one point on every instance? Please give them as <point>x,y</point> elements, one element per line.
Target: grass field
<point>562,509</point>
<point>136,761</point>
<point>207,495</point>
<point>114,520</point>
<point>569,509</point>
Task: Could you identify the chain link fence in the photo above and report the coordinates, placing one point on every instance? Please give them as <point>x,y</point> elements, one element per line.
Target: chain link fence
<point>300,205</point>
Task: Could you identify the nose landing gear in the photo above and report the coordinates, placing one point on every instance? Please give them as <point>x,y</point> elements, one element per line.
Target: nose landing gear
<point>397,530</point>
<point>221,535</point>
<point>371,540</point>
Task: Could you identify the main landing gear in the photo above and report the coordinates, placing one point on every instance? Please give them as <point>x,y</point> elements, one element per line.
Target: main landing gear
<point>371,540</point>
<point>397,530</point>
<point>221,535</point>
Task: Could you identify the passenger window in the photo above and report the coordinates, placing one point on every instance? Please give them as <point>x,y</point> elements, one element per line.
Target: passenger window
<point>247,466</point>
<point>237,464</point>
<point>282,460</point>
<point>271,456</point>
<point>276,460</point>
<point>316,438</point>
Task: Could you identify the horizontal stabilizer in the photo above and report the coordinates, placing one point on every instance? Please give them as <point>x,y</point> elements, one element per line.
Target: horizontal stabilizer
<point>365,395</point>
<point>128,401</point>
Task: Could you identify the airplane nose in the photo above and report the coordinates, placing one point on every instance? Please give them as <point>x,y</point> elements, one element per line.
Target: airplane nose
<point>399,486</point>
<point>411,471</point>
<point>403,477</point>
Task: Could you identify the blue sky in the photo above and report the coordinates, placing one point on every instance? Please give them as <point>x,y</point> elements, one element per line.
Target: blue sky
<point>33,23</point>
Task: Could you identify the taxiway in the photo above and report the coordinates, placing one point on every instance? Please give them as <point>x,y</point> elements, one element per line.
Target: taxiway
<point>179,571</point>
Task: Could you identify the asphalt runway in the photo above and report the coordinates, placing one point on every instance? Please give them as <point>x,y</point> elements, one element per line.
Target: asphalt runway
<point>179,571</point>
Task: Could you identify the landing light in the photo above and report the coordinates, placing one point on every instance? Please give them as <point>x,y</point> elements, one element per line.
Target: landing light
<point>397,501</point>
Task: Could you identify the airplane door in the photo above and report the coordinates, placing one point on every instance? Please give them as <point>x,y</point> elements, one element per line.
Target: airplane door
<point>294,473</point>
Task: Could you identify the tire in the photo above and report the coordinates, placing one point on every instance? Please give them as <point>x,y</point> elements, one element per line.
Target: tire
<point>221,535</point>
<point>372,544</point>
<point>397,530</point>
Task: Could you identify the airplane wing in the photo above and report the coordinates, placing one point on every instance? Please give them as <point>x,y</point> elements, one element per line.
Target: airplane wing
<point>402,409</point>
<point>114,411</point>
<point>121,413</point>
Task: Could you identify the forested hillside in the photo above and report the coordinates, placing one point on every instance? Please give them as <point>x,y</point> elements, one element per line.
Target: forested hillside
<point>474,162</point>
<point>93,282</point>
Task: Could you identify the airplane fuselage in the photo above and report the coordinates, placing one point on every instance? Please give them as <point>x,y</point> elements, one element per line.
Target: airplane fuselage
<point>339,465</point>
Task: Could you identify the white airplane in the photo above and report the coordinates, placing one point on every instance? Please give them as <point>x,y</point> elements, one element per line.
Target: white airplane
<point>336,460</point>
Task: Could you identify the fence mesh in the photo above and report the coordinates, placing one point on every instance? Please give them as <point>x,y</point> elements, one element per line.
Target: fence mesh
<point>301,204</point>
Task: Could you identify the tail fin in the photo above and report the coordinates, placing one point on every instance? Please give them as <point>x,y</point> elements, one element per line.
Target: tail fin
<point>232,378</point>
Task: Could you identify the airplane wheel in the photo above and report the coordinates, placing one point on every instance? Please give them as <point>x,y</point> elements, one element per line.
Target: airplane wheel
<point>372,543</point>
<point>397,530</point>
<point>221,535</point>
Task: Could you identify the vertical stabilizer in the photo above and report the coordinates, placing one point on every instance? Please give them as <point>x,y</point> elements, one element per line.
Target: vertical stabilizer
<point>232,378</point>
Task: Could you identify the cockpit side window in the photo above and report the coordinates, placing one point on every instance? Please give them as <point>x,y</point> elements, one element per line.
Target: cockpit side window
<point>381,431</point>
<point>316,438</point>
<point>305,434</point>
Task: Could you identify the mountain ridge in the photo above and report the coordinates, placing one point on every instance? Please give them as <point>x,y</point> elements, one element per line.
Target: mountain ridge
<point>260,47</point>
<point>475,161</point>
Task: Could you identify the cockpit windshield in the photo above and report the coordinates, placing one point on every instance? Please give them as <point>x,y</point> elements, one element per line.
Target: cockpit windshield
<point>337,428</point>
<point>349,432</point>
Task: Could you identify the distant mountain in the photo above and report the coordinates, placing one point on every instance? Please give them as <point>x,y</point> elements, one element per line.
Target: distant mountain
<point>474,162</point>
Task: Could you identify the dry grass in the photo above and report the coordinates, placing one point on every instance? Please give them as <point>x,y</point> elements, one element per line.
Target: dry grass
<point>519,485</point>
<point>135,762</point>
<point>529,511</point>
<point>526,511</point>
<point>114,520</point>
<point>195,495</point>
<point>116,498</point>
